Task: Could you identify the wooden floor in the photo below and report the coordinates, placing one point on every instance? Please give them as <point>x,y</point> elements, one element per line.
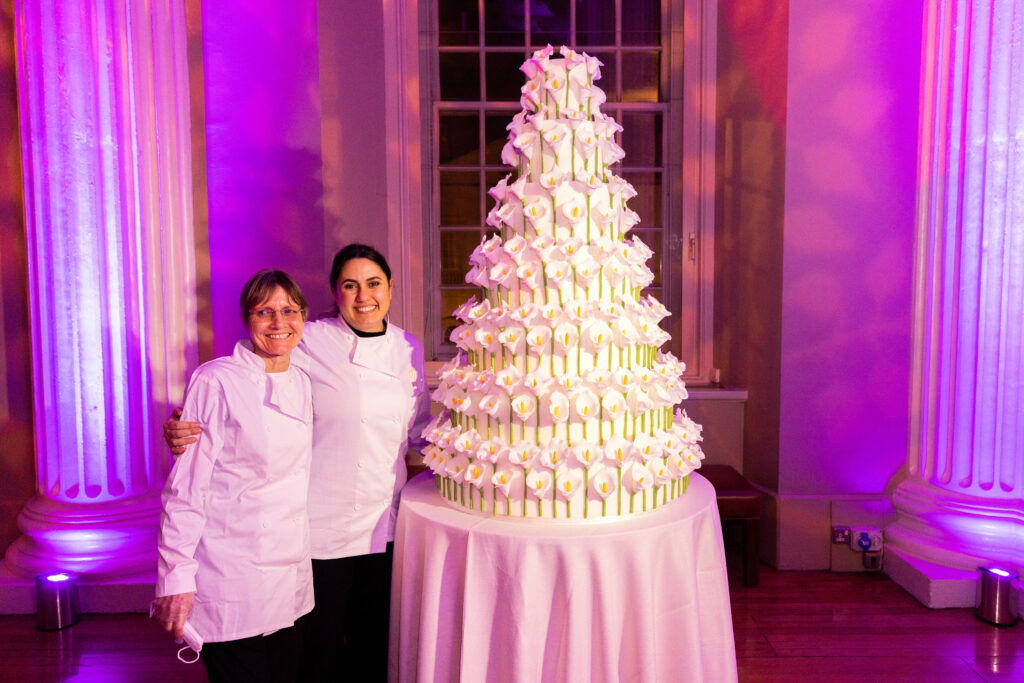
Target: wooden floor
<point>797,626</point>
<point>856,628</point>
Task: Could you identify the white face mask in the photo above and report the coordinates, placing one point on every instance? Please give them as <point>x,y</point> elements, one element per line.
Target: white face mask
<point>193,641</point>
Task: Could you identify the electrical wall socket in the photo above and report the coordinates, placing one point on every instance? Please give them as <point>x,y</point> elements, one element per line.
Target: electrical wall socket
<point>865,538</point>
<point>872,559</point>
<point>841,535</point>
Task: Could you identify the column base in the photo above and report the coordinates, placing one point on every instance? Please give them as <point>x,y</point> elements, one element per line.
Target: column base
<point>95,596</point>
<point>94,540</point>
<point>956,529</point>
<point>934,585</point>
<point>941,537</point>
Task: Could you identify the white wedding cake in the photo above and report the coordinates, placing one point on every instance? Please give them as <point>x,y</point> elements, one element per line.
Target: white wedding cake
<point>559,404</point>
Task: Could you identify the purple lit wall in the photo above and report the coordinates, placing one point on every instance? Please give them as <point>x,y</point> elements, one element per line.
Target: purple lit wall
<point>851,152</point>
<point>263,118</point>
<point>17,476</point>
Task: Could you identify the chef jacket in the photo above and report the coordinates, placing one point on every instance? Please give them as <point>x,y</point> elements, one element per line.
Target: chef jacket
<point>370,405</point>
<point>234,528</point>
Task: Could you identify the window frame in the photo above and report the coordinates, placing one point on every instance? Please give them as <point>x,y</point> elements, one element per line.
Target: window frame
<point>690,151</point>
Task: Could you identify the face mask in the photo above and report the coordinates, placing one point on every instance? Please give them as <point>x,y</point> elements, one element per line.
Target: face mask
<point>193,641</point>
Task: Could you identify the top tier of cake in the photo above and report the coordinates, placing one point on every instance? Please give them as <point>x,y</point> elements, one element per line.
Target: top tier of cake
<point>560,404</point>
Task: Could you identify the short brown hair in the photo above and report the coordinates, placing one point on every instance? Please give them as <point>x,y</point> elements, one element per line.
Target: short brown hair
<point>261,285</point>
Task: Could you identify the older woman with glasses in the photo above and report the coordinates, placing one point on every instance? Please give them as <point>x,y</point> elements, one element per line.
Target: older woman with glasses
<point>234,550</point>
<point>370,404</point>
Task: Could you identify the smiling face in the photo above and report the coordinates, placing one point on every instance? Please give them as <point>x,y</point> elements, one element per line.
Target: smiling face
<point>364,295</point>
<point>275,328</point>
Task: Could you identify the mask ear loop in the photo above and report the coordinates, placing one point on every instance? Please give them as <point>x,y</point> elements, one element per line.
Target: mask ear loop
<point>187,661</point>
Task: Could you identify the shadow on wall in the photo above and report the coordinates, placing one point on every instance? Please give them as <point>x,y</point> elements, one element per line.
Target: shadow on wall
<point>17,462</point>
<point>267,215</point>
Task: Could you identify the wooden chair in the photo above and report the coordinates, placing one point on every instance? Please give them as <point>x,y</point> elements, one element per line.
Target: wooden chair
<point>738,502</point>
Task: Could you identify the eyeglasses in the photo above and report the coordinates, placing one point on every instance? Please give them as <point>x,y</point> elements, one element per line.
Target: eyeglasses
<point>267,314</point>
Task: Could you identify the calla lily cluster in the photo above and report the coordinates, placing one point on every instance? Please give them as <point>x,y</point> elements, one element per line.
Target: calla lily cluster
<point>560,400</point>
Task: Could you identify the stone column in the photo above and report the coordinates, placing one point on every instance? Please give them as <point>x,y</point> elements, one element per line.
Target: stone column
<point>103,93</point>
<point>962,503</point>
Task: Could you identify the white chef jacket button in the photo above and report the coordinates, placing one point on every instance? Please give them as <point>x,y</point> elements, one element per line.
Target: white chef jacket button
<point>357,506</point>
<point>359,465</point>
<point>362,419</point>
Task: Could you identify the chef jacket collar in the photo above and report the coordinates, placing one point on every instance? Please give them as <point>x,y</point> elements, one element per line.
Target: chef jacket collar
<point>375,353</point>
<point>256,367</point>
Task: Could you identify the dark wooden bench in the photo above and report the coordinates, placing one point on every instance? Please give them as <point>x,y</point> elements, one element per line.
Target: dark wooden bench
<point>738,502</point>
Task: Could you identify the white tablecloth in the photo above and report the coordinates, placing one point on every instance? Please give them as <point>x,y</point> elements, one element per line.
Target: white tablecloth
<point>481,599</point>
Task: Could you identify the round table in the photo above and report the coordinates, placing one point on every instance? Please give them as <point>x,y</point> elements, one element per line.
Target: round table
<point>478,598</point>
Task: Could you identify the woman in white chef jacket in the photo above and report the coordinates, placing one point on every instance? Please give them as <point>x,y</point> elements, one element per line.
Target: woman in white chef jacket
<point>234,553</point>
<point>370,404</point>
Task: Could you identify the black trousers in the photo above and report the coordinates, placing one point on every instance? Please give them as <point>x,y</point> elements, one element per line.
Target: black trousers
<point>266,659</point>
<point>346,634</point>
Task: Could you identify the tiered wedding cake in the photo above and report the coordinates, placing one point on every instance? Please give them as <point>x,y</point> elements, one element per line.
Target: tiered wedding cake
<point>559,405</point>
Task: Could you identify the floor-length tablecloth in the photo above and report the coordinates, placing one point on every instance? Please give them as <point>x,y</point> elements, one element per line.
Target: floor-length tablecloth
<point>476,598</point>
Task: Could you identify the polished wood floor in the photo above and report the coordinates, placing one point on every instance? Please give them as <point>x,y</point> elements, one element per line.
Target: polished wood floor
<point>795,627</point>
<point>861,628</point>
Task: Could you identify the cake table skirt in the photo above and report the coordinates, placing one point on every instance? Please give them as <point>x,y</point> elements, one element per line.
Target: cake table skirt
<point>476,598</point>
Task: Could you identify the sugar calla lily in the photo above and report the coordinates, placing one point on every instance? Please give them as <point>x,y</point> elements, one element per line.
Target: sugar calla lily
<point>578,310</point>
<point>618,451</point>
<point>551,181</point>
<point>506,479</point>
<point>467,443</point>
<point>570,482</point>
<point>475,473</point>
<point>565,337</point>
<point>596,336</point>
<point>647,446</point>
<point>508,379</point>
<point>568,382</point>
<point>523,453</point>
<point>625,332</point>
<point>538,336</point>
<point>553,455</point>
<point>490,450</point>
<point>536,384</point>
<point>614,404</point>
<point>603,482</point>
<point>661,472</point>
<point>558,406</point>
<point>637,477</point>
<point>558,272</point>
<point>529,274</point>
<point>486,337</point>
<point>491,249</point>
<point>524,405</point>
<point>615,271</point>
<point>523,314</point>
<point>585,404</point>
<point>587,454</point>
<point>513,339</point>
<point>503,272</point>
<point>456,468</point>
<point>539,483</point>
<point>551,314</point>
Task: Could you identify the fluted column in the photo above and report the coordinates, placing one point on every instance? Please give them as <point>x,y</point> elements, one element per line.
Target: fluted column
<point>103,96</point>
<point>963,501</point>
